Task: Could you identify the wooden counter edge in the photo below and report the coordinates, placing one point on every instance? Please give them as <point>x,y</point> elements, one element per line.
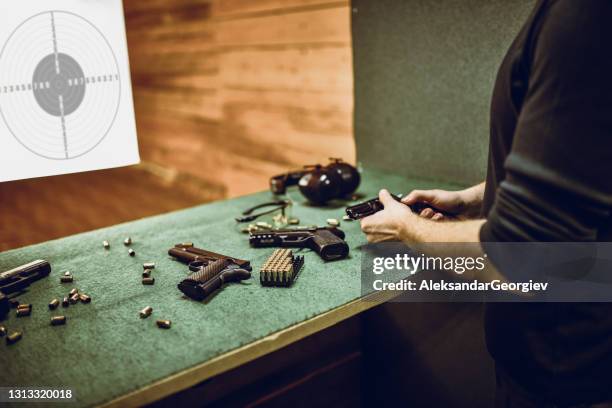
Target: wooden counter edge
<point>232,359</point>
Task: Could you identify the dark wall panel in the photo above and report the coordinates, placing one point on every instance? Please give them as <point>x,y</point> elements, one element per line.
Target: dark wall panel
<point>424,72</point>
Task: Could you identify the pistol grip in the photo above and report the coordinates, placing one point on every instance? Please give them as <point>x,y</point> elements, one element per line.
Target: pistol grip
<point>329,246</point>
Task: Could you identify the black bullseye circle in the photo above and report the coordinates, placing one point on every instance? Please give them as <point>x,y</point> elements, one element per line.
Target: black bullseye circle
<point>67,84</point>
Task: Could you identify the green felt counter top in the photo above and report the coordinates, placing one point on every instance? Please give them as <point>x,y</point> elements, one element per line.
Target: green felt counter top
<point>106,350</point>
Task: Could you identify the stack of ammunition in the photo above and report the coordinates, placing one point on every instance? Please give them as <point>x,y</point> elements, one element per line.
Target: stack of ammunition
<point>281,268</point>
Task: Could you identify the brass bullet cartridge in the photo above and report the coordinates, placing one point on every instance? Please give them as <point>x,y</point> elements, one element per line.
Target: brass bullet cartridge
<point>146,312</point>
<point>54,304</point>
<point>13,337</point>
<point>164,324</point>
<point>58,320</point>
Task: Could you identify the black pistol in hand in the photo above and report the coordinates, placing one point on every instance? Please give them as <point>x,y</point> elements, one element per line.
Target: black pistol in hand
<point>210,271</point>
<point>18,279</point>
<point>367,208</point>
<point>328,242</point>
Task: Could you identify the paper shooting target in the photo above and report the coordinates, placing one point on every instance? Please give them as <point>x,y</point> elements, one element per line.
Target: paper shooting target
<point>59,85</point>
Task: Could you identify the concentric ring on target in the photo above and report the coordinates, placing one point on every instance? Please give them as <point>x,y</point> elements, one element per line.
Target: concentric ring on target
<point>60,87</point>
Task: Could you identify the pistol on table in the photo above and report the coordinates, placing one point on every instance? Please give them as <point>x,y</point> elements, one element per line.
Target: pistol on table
<point>18,279</point>
<point>328,242</point>
<point>210,271</point>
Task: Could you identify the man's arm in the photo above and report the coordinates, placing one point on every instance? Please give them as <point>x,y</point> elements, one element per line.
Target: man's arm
<point>558,175</point>
<point>398,222</point>
<point>463,204</point>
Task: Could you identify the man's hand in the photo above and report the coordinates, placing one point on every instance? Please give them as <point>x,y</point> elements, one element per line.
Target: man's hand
<point>388,224</point>
<point>461,205</point>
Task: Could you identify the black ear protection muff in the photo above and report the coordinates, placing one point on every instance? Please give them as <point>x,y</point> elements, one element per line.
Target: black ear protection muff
<point>318,183</point>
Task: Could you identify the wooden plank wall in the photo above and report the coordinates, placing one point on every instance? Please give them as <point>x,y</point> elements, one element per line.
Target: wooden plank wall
<point>233,91</point>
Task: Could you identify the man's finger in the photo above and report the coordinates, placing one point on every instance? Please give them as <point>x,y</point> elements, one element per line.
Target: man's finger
<point>438,217</point>
<point>385,197</point>
<point>416,196</point>
<point>427,213</point>
<point>365,224</point>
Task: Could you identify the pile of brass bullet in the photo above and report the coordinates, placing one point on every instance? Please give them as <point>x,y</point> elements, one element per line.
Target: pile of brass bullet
<point>73,298</point>
<point>281,268</point>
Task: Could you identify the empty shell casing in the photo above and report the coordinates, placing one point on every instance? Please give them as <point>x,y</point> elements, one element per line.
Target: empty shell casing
<point>73,292</point>
<point>58,320</point>
<point>106,245</point>
<point>84,298</point>
<point>148,281</point>
<point>24,306</point>
<point>54,304</point>
<point>184,245</point>
<point>294,221</point>
<point>67,279</point>
<point>24,312</point>
<point>2,331</point>
<point>13,337</point>
<point>74,299</point>
<point>333,222</point>
<point>146,273</point>
<point>131,252</point>
<point>146,312</point>
<point>127,241</point>
<point>65,302</point>
<point>164,324</point>
<point>148,265</point>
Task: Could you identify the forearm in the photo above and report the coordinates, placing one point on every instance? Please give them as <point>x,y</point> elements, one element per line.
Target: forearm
<point>472,197</point>
<point>422,230</point>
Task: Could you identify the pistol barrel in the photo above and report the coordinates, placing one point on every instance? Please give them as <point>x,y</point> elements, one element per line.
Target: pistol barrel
<point>21,277</point>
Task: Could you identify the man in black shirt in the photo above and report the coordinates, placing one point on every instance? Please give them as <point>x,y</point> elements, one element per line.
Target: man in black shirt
<point>549,179</point>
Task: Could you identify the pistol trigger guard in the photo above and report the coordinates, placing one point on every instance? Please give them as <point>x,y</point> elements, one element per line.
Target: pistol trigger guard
<point>195,266</point>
